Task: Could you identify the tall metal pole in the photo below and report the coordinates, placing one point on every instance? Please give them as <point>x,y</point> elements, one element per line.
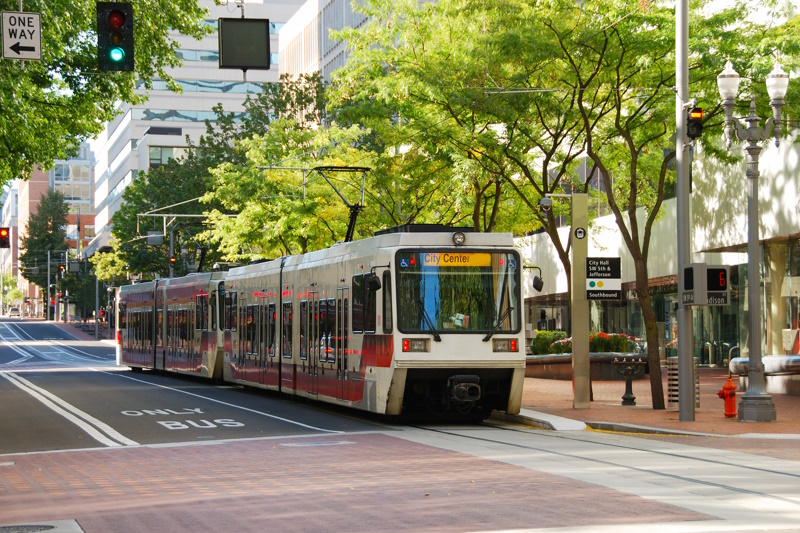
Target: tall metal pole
<point>47,303</point>
<point>171,251</point>
<point>686,392</point>
<point>96,307</point>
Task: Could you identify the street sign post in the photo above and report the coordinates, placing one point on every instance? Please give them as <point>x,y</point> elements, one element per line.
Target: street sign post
<point>22,36</point>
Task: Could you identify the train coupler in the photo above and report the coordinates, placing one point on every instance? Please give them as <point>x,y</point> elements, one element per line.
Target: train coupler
<point>464,388</point>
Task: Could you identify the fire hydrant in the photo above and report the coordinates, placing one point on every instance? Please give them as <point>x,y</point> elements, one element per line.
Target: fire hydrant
<point>728,393</point>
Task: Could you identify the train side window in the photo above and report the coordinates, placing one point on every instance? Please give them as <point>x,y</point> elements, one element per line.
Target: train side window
<point>304,329</point>
<point>370,309</point>
<point>330,321</point>
<point>123,316</point>
<point>271,332</point>
<point>387,302</point>
<point>287,329</point>
<point>230,308</point>
<point>358,303</point>
<point>212,311</point>
<point>201,312</point>
<point>249,328</point>
<point>346,337</point>
<point>226,310</point>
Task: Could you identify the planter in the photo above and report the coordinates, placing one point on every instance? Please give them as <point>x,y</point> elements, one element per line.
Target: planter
<point>559,365</point>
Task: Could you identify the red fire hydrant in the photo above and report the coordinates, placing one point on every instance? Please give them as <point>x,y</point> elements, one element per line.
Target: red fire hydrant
<point>728,393</point>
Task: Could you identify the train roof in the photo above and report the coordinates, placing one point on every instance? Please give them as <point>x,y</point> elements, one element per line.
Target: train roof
<point>191,279</point>
<point>408,236</point>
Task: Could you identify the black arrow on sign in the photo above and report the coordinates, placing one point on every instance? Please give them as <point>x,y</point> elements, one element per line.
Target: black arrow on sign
<point>16,47</point>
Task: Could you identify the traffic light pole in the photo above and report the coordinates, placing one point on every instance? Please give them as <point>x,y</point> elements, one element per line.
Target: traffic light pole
<point>686,401</point>
<point>47,303</point>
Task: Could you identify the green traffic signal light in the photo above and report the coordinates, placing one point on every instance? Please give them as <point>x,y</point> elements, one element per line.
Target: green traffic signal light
<point>115,36</point>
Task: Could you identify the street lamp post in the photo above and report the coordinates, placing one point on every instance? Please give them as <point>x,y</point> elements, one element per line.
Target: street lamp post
<point>756,404</point>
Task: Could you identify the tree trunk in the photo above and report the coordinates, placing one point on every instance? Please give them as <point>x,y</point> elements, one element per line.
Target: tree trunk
<point>651,335</point>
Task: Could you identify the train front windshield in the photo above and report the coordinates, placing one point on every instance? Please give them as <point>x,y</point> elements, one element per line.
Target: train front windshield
<point>441,292</point>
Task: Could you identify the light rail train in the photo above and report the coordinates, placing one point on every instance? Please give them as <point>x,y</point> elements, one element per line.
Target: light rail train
<point>416,321</point>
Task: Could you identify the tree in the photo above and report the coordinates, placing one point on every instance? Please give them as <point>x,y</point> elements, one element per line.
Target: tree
<point>183,180</point>
<point>46,231</point>
<point>48,107</point>
<point>528,91</point>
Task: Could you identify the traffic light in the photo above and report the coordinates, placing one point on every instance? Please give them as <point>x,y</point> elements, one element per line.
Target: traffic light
<point>5,238</point>
<point>115,36</point>
<point>694,123</point>
<point>172,260</point>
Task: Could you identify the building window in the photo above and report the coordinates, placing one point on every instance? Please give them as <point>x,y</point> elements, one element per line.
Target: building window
<point>160,155</point>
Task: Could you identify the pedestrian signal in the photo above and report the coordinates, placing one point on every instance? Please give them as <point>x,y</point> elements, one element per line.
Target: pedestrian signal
<point>694,123</point>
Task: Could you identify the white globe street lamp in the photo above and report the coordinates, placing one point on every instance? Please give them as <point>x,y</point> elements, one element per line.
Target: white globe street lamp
<point>756,404</point>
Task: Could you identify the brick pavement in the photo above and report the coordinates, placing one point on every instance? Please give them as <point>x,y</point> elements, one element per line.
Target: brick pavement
<point>363,482</point>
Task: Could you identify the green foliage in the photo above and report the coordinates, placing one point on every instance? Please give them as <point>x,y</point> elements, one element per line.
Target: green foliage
<point>544,339</point>
<point>249,217</point>
<point>48,107</point>
<point>45,231</point>
<point>14,296</point>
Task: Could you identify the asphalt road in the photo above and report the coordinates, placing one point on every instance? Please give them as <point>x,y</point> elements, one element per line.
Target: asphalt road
<point>59,394</point>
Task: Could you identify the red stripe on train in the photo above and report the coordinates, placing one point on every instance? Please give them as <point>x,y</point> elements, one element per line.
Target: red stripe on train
<point>377,350</point>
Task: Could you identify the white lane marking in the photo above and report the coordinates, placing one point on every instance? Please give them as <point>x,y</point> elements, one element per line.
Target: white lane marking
<point>288,421</point>
<point>69,349</point>
<point>94,427</point>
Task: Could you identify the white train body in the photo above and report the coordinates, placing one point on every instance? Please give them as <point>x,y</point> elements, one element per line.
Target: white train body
<point>403,323</point>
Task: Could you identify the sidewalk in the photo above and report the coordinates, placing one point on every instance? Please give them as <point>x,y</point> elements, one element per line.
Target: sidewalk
<point>549,402</point>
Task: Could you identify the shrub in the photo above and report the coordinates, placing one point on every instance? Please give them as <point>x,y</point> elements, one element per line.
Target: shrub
<point>598,342</point>
<point>541,344</point>
<point>610,342</point>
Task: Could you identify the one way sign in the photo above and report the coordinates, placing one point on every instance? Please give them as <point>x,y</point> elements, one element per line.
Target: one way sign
<point>22,35</point>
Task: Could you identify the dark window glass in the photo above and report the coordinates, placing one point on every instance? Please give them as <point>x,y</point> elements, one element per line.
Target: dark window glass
<point>358,303</point>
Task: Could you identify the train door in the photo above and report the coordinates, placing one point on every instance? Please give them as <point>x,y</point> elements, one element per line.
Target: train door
<point>262,324</point>
<point>272,359</point>
<point>287,363</point>
<point>342,339</point>
<point>239,337</point>
<point>312,342</point>
<point>159,327</point>
<point>249,336</point>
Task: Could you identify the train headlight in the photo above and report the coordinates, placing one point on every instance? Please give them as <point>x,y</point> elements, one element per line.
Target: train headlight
<point>459,238</point>
<point>415,345</point>
<point>505,345</point>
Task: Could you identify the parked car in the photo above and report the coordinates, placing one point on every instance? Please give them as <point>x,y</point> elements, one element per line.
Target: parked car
<point>13,311</point>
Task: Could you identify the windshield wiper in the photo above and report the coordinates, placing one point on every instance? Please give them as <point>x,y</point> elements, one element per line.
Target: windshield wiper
<point>428,322</point>
<point>497,324</point>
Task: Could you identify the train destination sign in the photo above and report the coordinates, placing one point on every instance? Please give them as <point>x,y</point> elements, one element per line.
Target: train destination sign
<point>603,278</point>
<point>456,259</point>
